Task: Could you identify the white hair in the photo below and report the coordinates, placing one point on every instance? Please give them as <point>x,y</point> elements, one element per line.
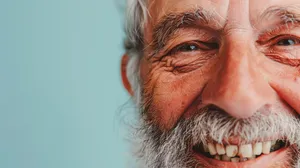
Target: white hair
<point>168,149</point>
<point>136,17</point>
<point>172,148</point>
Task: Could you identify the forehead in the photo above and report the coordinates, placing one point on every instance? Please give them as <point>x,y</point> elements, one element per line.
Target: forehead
<point>237,10</point>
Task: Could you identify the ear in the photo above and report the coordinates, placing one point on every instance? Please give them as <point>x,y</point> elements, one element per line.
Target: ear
<point>124,63</point>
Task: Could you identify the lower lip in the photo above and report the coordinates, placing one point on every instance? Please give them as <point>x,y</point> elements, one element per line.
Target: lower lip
<point>262,161</point>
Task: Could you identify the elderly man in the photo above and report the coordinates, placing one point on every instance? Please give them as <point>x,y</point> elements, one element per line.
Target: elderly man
<point>216,82</point>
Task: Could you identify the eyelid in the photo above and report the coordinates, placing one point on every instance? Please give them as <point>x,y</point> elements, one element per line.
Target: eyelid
<point>280,28</point>
<point>175,49</point>
<point>285,28</point>
<point>278,38</point>
<point>194,42</point>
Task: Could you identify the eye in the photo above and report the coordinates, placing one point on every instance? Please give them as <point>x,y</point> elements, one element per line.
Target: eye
<point>195,46</point>
<point>288,41</point>
<point>187,47</point>
<point>284,48</point>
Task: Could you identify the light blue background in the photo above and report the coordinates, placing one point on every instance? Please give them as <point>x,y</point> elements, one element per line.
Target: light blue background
<point>60,90</point>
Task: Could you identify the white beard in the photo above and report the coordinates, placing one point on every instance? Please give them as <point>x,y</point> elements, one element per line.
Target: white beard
<point>157,149</point>
<point>171,149</point>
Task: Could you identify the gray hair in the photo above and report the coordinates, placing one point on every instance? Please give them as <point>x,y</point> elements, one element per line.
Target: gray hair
<point>171,148</point>
<point>136,17</point>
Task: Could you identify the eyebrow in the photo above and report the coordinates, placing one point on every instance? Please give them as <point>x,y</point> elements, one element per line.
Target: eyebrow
<point>286,14</point>
<point>171,22</point>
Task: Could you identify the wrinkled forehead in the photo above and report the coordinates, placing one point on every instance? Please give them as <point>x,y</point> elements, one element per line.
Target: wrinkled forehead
<point>234,11</point>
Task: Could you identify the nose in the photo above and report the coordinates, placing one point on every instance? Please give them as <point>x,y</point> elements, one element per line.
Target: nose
<point>238,85</point>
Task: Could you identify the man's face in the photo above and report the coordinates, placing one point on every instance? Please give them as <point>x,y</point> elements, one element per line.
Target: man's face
<point>206,78</point>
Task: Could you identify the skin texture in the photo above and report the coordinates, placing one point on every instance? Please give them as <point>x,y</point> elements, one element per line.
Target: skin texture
<point>289,90</point>
<point>236,77</point>
<point>247,71</point>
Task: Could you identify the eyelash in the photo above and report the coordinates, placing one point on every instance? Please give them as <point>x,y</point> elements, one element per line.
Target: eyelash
<point>279,38</point>
<point>212,46</point>
<point>200,45</point>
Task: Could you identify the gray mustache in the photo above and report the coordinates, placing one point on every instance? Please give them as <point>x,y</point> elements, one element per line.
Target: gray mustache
<point>171,148</point>
<point>213,123</point>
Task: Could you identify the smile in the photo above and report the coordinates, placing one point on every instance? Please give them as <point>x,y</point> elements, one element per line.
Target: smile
<point>239,153</point>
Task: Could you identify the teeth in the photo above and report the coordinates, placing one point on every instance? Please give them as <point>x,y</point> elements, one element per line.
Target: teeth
<point>212,149</point>
<point>245,151</point>
<point>266,147</point>
<point>225,158</point>
<point>243,159</point>
<point>240,153</point>
<point>217,157</point>
<point>205,148</point>
<point>231,150</point>
<point>235,159</point>
<point>252,158</point>
<point>257,148</point>
<point>220,149</point>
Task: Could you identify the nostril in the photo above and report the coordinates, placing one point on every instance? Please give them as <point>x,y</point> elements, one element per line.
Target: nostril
<point>231,111</point>
<point>212,107</point>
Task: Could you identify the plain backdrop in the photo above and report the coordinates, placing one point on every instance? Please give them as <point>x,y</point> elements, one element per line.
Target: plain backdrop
<point>60,88</point>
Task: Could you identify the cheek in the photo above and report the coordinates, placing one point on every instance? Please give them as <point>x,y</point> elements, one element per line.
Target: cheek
<point>278,71</point>
<point>171,95</point>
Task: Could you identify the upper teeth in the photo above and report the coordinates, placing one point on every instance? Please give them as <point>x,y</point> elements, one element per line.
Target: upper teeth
<point>211,148</point>
<point>239,153</point>
<point>231,150</point>
<point>257,148</point>
<point>245,151</point>
<point>266,147</point>
<point>220,149</point>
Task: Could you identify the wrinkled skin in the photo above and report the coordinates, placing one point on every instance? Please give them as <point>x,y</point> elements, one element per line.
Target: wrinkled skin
<point>241,63</point>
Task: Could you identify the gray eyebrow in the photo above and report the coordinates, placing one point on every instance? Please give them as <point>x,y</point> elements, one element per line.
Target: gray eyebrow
<point>170,23</point>
<point>286,14</point>
<point>174,21</point>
